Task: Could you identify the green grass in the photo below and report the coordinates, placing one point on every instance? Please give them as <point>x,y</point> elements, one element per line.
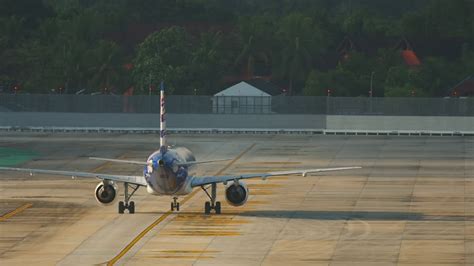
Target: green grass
<point>12,157</point>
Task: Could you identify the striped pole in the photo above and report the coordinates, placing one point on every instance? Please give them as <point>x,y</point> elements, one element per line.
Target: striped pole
<point>162,119</point>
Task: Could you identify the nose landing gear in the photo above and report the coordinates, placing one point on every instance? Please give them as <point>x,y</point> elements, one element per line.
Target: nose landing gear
<point>175,204</point>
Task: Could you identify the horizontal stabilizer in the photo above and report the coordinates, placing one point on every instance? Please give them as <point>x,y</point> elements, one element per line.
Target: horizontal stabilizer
<point>119,161</point>
<point>201,162</point>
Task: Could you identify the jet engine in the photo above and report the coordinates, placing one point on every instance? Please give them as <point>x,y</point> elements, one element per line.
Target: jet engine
<point>106,192</point>
<point>236,193</point>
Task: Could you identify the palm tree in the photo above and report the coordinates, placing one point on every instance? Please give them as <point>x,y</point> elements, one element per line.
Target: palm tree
<point>257,42</point>
<point>299,41</point>
<point>106,70</point>
<point>207,62</point>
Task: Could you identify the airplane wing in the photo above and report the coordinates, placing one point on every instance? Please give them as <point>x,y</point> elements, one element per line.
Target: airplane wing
<point>137,180</point>
<point>206,180</point>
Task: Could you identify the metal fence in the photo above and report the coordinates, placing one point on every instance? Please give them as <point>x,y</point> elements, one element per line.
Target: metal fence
<point>239,105</point>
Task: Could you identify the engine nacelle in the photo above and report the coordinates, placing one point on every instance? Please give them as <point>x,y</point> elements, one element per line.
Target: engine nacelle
<point>106,192</point>
<point>236,194</point>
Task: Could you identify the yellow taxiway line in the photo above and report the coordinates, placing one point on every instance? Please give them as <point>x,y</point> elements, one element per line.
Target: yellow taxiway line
<point>15,211</point>
<point>168,213</point>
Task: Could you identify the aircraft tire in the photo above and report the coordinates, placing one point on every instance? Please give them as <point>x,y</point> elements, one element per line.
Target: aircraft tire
<point>218,207</point>
<point>172,206</point>
<point>177,206</point>
<point>121,207</point>
<point>131,207</point>
<point>207,207</point>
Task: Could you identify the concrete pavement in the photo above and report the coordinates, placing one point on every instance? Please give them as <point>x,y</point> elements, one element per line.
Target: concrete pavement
<point>411,204</point>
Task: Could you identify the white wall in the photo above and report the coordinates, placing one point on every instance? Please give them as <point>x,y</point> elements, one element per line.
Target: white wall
<point>253,121</point>
<point>418,123</point>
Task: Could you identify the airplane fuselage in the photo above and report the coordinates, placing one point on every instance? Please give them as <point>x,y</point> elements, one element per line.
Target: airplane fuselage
<point>165,175</point>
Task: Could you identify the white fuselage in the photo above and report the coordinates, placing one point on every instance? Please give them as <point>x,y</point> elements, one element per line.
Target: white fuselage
<point>167,174</point>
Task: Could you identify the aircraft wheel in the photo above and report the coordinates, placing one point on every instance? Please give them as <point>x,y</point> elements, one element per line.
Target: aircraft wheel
<point>218,207</point>
<point>121,207</point>
<point>172,206</point>
<point>131,207</point>
<point>207,207</point>
<point>177,206</point>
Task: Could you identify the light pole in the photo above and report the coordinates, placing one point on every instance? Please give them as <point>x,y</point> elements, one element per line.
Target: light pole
<point>371,83</point>
<point>371,89</point>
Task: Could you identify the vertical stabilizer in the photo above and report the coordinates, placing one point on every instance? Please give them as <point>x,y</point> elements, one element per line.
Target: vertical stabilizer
<point>163,145</point>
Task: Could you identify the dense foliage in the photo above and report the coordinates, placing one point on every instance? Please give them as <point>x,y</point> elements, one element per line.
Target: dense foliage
<point>199,46</point>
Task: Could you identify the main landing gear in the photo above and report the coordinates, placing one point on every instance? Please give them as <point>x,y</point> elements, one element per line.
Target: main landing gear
<point>127,205</point>
<point>213,204</point>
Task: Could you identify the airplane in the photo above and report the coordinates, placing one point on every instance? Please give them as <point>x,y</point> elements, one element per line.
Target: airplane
<point>166,173</point>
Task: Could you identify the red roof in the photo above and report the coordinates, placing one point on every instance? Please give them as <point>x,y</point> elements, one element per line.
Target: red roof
<point>464,88</point>
<point>410,58</point>
<point>128,66</point>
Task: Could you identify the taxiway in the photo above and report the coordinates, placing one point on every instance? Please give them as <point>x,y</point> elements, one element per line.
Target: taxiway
<point>411,204</point>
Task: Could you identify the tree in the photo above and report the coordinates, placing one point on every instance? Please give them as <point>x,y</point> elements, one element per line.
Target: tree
<point>353,77</point>
<point>318,83</point>
<point>467,60</point>
<point>11,29</point>
<point>257,42</point>
<point>207,63</point>
<point>164,56</point>
<point>107,67</point>
<point>363,24</point>
<point>340,82</point>
<point>67,51</point>
<point>402,81</point>
<point>300,41</point>
<point>440,22</point>
<point>84,43</point>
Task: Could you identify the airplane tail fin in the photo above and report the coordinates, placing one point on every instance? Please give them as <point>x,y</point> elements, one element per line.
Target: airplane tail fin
<point>163,146</point>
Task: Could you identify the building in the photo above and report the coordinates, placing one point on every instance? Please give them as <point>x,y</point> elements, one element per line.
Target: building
<point>463,89</point>
<point>253,96</point>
